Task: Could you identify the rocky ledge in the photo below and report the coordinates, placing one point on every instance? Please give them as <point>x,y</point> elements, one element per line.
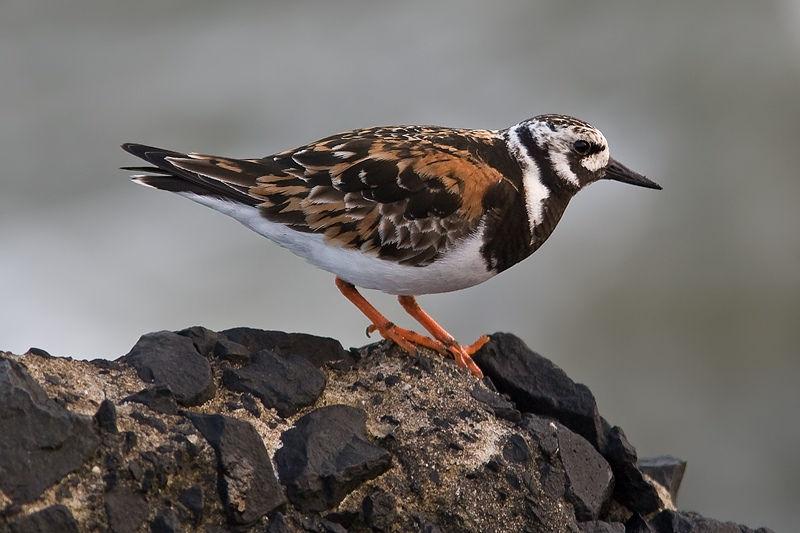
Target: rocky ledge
<point>251,430</point>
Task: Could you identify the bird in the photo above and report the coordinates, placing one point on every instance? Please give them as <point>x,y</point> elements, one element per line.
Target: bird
<point>407,210</point>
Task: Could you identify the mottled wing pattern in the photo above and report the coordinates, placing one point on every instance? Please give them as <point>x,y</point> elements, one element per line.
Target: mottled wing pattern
<point>401,193</point>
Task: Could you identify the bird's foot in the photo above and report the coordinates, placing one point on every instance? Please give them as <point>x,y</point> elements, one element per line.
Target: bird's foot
<point>406,339</point>
<point>463,355</point>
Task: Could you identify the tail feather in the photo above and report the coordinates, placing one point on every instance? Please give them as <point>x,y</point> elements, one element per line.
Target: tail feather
<point>148,170</point>
<point>167,176</point>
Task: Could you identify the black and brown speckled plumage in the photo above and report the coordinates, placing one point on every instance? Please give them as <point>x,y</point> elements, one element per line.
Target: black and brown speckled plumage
<point>402,193</point>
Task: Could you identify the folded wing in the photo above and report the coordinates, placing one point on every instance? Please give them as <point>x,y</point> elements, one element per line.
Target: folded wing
<point>405,193</point>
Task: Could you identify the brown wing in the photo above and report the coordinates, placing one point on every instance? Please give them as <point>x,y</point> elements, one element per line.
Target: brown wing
<point>405,193</point>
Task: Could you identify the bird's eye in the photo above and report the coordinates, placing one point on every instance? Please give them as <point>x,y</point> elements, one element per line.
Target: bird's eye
<point>582,147</point>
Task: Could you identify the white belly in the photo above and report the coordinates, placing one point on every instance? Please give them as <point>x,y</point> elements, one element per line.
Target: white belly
<point>462,267</point>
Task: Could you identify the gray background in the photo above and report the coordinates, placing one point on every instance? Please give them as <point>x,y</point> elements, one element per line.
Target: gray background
<point>678,308</point>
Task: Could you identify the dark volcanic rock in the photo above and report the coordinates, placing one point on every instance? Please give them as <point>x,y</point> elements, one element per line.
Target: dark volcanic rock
<point>55,518</point>
<point>584,477</point>
<point>158,398</point>
<point>589,478</point>
<point>38,351</point>
<point>666,470</point>
<point>326,455</point>
<point>402,444</point>
<point>247,481</point>
<point>152,421</point>
<point>279,524</point>
<point>683,522</point>
<point>283,382</point>
<point>192,500</point>
<point>538,386</point>
<point>166,358</point>
<point>40,441</point>
<point>231,351</point>
<point>203,339</point>
<point>516,450</point>
<point>379,511</point>
<point>637,524</point>
<point>632,489</point>
<point>106,417</point>
<point>501,407</point>
<point>601,527</point>
<point>318,350</point>
<point>166,521</point>
<point>126,510</point>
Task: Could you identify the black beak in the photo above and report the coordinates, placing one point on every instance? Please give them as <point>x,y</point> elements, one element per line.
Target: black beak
<point>618,172</point>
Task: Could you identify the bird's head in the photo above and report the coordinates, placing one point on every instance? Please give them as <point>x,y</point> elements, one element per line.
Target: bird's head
<point>571,153</point>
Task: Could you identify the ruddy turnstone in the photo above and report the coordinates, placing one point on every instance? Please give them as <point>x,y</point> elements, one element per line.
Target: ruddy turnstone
<point>407,210</point>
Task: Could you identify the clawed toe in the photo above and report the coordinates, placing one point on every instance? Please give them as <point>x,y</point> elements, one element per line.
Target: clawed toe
<point>395,334</point>
<point>477,345</point>
<point>464,359</point>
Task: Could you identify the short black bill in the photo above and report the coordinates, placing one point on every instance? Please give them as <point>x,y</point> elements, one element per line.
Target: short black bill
<point>618,172</point>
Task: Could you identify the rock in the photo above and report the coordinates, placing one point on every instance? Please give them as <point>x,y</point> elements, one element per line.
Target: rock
<point>159,398</point>
<point>250,404</point>
<point>55,518</point>
<point>632,489</point>
<point>106,417</point>
<point>168,359</point>
<point>597,526</point>
<point>379,511</point>
<point>536,385</point>
<point>402,444</point>
<point>637,524</point>
<point>516,450</point>
<point>152,421</point>
<point>588,475</point>
<point>501,407</point>
<point>192,500</point>
<point>545,432</point>
<point>231,351</point>
<point>318,350</point>
<point>281,382</point>
<point>203,339</point>
<point>326,455</point>
<point>126,510</point>
<point>580,473</point>
<point>38,351</point>
<point>40,441</point>
<point>247,482</point>
<point>684,522</point>
<point>166,521</point>
<point>666,470</point>
<point>278,524</point>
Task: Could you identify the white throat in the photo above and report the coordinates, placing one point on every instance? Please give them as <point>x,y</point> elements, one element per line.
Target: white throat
<point>535,191</point>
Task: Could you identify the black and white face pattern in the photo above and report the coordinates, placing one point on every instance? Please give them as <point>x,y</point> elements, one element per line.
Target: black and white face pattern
<point>578,151</point>
<point>573,152</point>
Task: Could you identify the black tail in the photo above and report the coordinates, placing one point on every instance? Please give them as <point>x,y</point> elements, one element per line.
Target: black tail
<point>167,176</point>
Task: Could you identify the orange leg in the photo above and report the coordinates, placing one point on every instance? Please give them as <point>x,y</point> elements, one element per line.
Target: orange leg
<point>404,338</point>
<point>462,354</point>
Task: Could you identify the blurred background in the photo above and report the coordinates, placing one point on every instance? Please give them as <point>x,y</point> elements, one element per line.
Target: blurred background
<point>680,308</point>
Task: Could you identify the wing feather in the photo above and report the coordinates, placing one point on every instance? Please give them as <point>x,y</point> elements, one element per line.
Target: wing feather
<point>402,193</point>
